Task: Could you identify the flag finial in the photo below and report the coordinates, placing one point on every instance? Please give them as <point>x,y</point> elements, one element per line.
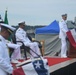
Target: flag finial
<point>5,18</point>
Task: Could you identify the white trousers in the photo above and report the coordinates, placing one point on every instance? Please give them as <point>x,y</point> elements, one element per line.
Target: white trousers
<point>63,48</point>
<point>17,53</point>
<point>35,48</point>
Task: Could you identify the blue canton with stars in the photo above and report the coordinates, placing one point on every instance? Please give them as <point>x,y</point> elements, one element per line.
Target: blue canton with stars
<point>39,67</point>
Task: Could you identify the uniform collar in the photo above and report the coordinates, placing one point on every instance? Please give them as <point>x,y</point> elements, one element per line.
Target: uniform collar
<point>21,29</point>
<point>64,20</point>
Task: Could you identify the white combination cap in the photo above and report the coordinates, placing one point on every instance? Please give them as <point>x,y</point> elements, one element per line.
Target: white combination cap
<point>8,27</point>
<point>64,15</point>
<point>21,23</point>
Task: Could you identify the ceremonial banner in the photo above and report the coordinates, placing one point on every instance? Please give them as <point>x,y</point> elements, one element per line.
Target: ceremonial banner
<point>36,67</point>
<point>72,36</point>
<point>73,32</point>
<point>72,39</point>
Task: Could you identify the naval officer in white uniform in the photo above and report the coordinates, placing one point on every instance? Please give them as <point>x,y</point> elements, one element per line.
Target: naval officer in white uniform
<point>5,65</point>
<point>63,36</point>
<point>16,54</point>
<point>22,36</point>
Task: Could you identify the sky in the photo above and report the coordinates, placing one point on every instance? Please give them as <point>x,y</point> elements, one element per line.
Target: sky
<point>37,12</point>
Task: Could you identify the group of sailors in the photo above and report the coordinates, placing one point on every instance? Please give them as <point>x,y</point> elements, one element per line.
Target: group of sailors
<point>5,31</point>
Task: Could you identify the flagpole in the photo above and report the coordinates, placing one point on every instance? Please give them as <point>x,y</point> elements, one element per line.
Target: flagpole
<point>5,18</point>
<point>6,21</point>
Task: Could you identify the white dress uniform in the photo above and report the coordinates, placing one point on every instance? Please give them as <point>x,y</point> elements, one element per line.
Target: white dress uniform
<point>5,65</point>
<point>17,53</point>
<point>62,36</point>
<point>22,36</point>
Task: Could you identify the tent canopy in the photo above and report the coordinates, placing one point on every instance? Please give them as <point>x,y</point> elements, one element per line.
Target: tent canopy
<point>52,28</point>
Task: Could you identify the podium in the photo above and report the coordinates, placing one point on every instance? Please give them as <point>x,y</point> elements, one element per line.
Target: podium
<point>71,37</point>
